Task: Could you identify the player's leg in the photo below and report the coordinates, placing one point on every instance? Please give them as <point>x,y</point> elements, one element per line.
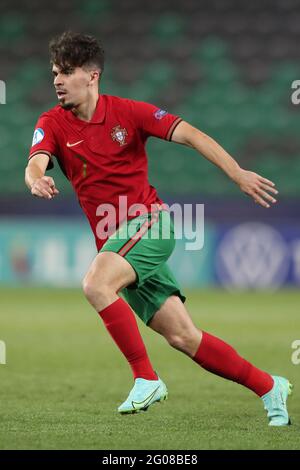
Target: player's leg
<point>109,273</point>
<point>142,244</point>
<point>174,323</point>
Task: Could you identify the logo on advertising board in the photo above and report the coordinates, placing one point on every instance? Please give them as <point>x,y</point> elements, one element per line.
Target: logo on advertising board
<point>252,255</point>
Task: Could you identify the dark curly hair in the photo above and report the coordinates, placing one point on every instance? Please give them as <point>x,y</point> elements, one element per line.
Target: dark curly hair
<point>71,50</point>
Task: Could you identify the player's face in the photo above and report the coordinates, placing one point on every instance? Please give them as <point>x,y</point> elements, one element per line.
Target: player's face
<point>72,86</point>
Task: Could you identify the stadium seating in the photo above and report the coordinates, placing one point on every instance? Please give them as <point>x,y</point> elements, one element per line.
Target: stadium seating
<point>225,67</point>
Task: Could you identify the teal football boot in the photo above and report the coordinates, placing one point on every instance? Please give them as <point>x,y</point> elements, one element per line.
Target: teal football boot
<point>275,402</point>
<point>144,393</point>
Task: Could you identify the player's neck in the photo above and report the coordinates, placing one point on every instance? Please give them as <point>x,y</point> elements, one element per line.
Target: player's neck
<point>85,111</point>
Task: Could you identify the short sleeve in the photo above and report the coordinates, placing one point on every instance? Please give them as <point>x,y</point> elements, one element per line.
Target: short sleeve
<point>44,140</point>
<point>154,121</point>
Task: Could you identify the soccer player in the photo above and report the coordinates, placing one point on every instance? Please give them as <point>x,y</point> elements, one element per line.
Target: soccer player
<point>99,142</point>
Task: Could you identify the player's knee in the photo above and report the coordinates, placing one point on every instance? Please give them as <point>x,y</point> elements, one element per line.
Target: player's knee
<point>187,341</point>
<point>94,290</point>
<point>179,341</point>
<point>89,287</point>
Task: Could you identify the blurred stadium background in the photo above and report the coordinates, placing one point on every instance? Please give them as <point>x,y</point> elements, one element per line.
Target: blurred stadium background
<point>224,66</point>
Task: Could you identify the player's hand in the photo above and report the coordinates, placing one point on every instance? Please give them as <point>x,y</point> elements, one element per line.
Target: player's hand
<point>44,187</point>
<point>260,189</point>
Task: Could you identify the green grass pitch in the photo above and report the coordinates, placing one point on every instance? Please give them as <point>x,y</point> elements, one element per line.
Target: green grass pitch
<point>64,377</point>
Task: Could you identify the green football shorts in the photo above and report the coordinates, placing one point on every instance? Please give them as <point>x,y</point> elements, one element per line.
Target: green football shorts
<point>146,242</point>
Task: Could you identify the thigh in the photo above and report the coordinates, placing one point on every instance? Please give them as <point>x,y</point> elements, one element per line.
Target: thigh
<point>112,270</point>
<point>148,298</point>
<point>172,318</point>
<point>173,322</point>
<point>145,242</point>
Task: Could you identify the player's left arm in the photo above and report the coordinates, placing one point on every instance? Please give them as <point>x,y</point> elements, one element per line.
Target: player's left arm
<point>249,182</point>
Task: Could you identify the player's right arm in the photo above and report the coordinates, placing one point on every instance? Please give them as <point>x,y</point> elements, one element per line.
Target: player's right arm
<point>35,179</point>
<point>44,146</point>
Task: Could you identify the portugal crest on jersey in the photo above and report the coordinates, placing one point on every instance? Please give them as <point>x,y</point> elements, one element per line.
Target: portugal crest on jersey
<point>119,134</point>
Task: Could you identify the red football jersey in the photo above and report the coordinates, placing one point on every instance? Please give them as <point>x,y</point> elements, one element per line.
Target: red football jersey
<point>104,158</point>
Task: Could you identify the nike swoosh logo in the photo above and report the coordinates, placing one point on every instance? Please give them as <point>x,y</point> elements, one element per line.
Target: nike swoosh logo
<point>146,401</point>
<point>75,143</point>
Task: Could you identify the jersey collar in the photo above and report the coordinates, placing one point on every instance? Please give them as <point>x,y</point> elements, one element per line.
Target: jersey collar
<point>98,116</point>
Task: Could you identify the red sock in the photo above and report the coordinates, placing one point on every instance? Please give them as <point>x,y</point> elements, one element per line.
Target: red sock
<point>122,326</point>
<point>221,359</point>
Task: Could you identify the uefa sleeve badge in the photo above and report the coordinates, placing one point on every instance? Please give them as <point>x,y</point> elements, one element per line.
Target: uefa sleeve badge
<point>38,136</point>
<point>160,113</point>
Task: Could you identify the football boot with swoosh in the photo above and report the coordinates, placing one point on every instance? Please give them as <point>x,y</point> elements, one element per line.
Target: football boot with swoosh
<point>143,394</point>
<point>275,402</point>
